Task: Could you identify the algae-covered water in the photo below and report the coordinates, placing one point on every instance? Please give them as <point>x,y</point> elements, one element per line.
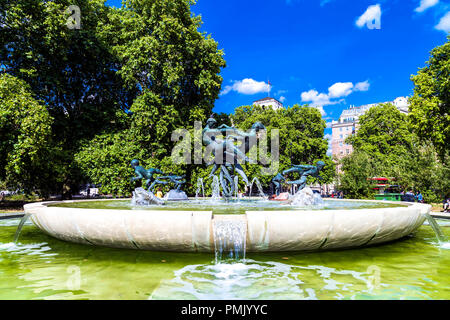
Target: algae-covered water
<point>41,267</point>
<point>227,207</point>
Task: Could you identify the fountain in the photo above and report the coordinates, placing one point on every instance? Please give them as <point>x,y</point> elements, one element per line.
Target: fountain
<point>141,197</point>
<point>306,197</point>
<point>236,187</point>
<point>200,187</point>
<point>442,239</point>
<point>229,239</point>
<point>215,187</point>
<point>259,186</point>
<point>23,220</point>
<point>301,222</point>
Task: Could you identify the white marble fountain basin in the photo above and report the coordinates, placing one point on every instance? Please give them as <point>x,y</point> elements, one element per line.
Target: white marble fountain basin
<point>192,231</point>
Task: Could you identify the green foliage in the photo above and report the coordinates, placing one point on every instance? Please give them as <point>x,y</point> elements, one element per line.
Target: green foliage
<point>72,71</point>
<point>106,160</point>
<point>430,104</point>
<point>384,146</point>
<point>384,134</point>
<point>26,150</point>
<point>358,168</point>
<point>223,118</point>
<point>424,171</point>
<point>148,57</point>
<point>161,50</point>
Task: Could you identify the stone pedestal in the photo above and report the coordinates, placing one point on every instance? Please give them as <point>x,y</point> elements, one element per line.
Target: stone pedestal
<point>176,195</point>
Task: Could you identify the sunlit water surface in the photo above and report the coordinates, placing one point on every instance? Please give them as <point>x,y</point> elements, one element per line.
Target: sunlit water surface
<point>41,267</point>
<point>227,207</point>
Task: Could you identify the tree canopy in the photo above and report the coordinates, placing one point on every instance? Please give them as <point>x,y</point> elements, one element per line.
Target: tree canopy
<point>430,104</point>
<point>146,59</point>
<point>27,152</point>
<point>385,145</point>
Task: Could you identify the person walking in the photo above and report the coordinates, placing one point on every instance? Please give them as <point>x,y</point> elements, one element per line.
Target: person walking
<point>419,197</point>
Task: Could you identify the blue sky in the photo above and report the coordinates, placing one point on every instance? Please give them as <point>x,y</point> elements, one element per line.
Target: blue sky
<point>321,52</point>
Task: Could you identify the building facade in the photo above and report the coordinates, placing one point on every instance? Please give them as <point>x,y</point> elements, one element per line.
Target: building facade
<point>269,102</point>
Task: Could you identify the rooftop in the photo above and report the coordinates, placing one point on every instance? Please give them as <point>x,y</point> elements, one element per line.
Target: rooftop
<point>266,99</point>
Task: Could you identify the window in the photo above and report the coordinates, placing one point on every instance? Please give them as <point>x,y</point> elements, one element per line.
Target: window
<point>340,144</point>
<point>348,151</point>
<point>340,129</point>
<point>341,136</point>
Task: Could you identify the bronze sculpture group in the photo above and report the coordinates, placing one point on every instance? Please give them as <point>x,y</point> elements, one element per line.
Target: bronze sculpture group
<point>151,181</point>
<point>228,157</point>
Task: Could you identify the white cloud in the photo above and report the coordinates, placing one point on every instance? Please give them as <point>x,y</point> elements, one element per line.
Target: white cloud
<point>247,86</point>
<point>282,99</point>
<point>362,86</point>
<point>371,18</point>
<point>316,98</point>
<point>340,89</point>
<point>337,90</point>
<point>425,4</point>
<point>444,23</point>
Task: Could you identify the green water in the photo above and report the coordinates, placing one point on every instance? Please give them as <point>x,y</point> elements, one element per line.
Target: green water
<point>41,267</point>
<point>225,207</point>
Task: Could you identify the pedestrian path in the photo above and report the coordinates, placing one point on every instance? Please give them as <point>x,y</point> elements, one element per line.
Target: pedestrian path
<point>11,215</point>
<point>443,215</point>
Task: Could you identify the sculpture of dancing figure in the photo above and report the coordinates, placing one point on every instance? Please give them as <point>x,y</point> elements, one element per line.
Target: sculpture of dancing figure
<point>232,156</point>
<point>228,151</point>
<point>277,181</point>
<point>249,138</point>
<point>142,173</point>
<point>305,171</point>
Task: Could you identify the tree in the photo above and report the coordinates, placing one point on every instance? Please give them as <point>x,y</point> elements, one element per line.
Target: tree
<point>385,146</point>
<point>28,156</point>
<point>147,57</point>
<point>162,52</point>
<point>106,160</point>
<point>73,71</point>
<point>384,134</point>
<point>174,71</point>
<point>357,169</point>
<point>430,104</point>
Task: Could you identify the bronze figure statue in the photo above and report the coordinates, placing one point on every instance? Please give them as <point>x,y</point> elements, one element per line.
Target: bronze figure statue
<point>305,171</point>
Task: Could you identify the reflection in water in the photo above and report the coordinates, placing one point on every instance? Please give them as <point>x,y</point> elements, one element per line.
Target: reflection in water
<point>40,267</point>
<point>255,280</point>
<point>231,206</point>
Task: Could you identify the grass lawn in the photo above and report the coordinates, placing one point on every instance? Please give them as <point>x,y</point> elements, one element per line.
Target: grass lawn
<point>15,203</point>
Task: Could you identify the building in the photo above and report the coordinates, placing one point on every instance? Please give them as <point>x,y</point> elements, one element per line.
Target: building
<point>269,102</point>
<point>348,125</point>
